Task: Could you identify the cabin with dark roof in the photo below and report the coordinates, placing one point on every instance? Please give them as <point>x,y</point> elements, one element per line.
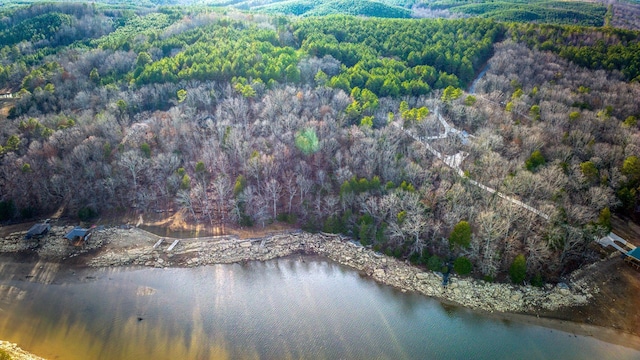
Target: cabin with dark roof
<point>38,231</point>
<point>78,236</point>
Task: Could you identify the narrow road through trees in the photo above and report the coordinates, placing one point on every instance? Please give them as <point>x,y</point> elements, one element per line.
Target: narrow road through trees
<point>455,161</point>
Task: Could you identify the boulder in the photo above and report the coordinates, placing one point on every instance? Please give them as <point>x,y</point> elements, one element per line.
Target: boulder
<point>580,299</point>
<point>422,276</point>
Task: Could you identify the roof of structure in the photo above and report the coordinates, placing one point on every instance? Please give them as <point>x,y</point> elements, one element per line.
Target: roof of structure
<point>76,232</point>
<point>635,253</point>
<point>38,230</point>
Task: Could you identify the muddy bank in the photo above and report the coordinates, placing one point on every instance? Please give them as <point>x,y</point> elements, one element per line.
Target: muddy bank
<point>121,247</point>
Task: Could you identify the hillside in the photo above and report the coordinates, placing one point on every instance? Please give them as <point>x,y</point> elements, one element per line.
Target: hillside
<point>341,124</point>
<point>315,8</point>
<point>540,11</point>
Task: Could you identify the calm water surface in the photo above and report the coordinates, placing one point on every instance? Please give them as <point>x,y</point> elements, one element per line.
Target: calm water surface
<point>282,309</point>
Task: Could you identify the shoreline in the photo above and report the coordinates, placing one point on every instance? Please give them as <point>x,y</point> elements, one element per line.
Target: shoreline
<point>16,352</point>
<point>467,292</point>
<point>111,247</point>
<point>133,246</point>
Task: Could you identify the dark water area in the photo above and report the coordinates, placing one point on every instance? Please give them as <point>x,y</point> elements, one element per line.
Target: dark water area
<point>288,308</point>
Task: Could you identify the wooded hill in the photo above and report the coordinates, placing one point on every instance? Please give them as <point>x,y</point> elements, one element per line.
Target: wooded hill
<point>540,11</point>
<point>248,119</point>
<point>345,7</point>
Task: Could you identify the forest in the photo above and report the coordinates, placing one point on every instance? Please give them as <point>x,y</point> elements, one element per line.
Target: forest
<point>369,127</point>
<point>540,11</point>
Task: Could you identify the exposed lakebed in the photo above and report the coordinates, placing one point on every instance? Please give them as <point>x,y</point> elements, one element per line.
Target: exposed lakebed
<point>294,307</point>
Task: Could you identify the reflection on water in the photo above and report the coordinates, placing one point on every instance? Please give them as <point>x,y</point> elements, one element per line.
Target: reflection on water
<point>287,308</point>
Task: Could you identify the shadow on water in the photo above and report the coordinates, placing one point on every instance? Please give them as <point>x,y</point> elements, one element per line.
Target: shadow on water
<point>452,311</point>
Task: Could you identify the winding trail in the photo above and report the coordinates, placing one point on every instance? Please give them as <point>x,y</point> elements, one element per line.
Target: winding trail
<point>455,161</point>
<point>472,87</point>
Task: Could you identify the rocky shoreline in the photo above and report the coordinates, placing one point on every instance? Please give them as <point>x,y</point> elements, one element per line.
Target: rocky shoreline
<point>124,247</point>
<point>16,352</point>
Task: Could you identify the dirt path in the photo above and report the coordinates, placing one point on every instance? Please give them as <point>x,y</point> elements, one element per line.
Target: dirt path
<point>455,161</point>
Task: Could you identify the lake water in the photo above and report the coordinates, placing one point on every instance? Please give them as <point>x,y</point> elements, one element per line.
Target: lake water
<point>282,309</point>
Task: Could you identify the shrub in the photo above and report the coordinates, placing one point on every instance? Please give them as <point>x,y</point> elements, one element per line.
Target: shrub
<point>518,269</point>
<point>462,266</point>
<point>461,235</point>
<point>5,355</point>
<point>425,256</point>
<point>470,100</point>
<point>334,224</point>
<point>7,210</point>
<point>27,213</point>
<point>537,280</point>
<point>288,218</point>
<point>434,263</point>
<point>534,161</point>
<point>451,93</point>
<point>589,170</point>
<point>631,168</point>
<point>311,225</point>
<point>239,185</point>
<point>245,220</point>
<point>86,213</point>
<point>605,218</point>
<point>631,121</point>
<point>185,184</point>
<point>415,258</point>
<point>307,141</point>
<point>146,150</point>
